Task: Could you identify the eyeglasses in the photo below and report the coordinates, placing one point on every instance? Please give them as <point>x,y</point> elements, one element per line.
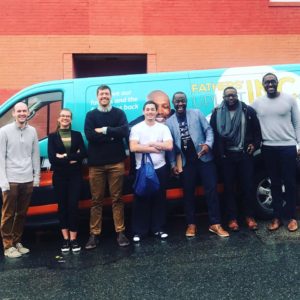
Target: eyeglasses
<point>177,101</point>
<point>230,95</point>
<point>267,82</point>
<point>65,116</point>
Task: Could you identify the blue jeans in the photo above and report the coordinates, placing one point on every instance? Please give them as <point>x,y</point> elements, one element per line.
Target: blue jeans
<point>207,173</point>
<point>281,167</point>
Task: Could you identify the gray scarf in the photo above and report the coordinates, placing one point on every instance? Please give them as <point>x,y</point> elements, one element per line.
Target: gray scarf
<point>229,129</point>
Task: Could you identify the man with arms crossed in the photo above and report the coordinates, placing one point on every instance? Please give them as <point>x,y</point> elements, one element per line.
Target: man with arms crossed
<point>279,119</point>
<point>149,136</point>
<point>19,172</point>
<point>105,128</point>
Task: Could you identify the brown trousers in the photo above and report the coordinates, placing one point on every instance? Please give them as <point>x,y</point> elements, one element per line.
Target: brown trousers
<point>114,175</point>
<point>14,209</point>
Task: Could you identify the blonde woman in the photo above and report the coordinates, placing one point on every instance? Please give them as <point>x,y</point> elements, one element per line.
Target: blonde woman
<point>66,151</point>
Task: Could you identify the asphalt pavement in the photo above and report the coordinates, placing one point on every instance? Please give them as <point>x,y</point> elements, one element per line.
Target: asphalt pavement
<point>247,265</point>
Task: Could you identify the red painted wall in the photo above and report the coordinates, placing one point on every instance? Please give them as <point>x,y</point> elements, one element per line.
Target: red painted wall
<point>145,17</point>
<point>38,37</point>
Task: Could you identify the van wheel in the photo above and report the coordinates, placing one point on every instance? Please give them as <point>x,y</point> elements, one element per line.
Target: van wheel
<point>263,197</point>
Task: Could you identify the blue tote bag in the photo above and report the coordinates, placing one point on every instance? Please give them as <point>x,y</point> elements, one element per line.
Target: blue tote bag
<point>146,181</point>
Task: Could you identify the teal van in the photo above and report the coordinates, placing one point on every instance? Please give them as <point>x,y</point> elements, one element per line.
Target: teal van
<point>203,88</point>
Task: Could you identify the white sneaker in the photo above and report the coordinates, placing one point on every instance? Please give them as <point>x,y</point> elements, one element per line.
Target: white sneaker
<point>21,248</point>
<point>136,238</point>
<point>161,234</point>
<point>12,252</point>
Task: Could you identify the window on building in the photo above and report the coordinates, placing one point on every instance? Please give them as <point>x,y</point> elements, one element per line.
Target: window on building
<point>284,2</point>
<point>92,65</point>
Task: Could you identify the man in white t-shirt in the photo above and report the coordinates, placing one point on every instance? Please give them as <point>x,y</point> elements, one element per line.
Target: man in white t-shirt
<point>149,136</point>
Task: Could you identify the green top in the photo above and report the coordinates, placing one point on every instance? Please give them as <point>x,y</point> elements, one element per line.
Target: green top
<point>65,135</point>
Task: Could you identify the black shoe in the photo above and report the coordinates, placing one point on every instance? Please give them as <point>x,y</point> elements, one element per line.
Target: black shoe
<point>75,246</point>
<point>161,235</point>
<point>65,248</point>
<point>122,239</point>
<point>92,242</point>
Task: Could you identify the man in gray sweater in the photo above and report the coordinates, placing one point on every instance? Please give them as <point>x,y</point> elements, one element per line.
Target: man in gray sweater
<point>19,172</point>
<point>280,125</point>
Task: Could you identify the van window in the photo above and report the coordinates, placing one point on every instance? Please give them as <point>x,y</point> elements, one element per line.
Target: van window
<point>44,110</point>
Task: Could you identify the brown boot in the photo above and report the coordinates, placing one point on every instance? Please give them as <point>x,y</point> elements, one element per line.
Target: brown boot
<point>218,230</point>
<point>191,230</point>
<point>233,225</point>
<point>251,223</point>
<point>293,225</point>
<point>274,225</point>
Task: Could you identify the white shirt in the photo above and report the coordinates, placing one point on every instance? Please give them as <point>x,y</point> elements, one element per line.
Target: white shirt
<point>146,134</point>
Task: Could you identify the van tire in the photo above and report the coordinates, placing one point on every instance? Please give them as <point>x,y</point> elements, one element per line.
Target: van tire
<point>263,196</point>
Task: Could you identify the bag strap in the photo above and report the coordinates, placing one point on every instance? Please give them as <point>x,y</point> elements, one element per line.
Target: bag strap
<point>148,157</point>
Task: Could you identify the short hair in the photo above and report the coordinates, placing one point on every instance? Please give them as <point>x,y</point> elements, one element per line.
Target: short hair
<point>179,92</point>
<point>20,102</point>
<point>150,102</point>
<point>268,74</point>
<point>103,87</point>
<point>152,94</point>
<point>229,88</point>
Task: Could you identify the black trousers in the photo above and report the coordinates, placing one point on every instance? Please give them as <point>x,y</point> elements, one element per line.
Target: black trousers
<point>67,187</point>
<point>281,166</point>
<point>237,167</point>
<point>149,213</point>
<point>207,173</point>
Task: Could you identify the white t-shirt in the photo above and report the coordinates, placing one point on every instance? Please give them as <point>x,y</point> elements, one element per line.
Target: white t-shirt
<point>146,134</point>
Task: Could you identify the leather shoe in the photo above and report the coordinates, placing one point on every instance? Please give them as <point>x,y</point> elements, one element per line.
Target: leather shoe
<point>251,223</point>
<point>233,225</point>
<point>217,229</point>
<point>122,239</point>
<point>191,230</point>
<point>274,225</point>
<point>92,242</point>
<point>293,225</point>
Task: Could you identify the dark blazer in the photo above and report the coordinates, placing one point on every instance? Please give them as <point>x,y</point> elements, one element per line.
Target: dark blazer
<point>252,133</point>
<point>77,152</point>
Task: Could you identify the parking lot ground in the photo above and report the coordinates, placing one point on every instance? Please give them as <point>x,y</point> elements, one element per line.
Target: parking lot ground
<point>246,265</point>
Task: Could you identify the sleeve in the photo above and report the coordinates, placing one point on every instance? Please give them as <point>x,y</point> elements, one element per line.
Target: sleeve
<point>171,155</point>
<point>52,153</point>
<point>257,137</point>
<point>120,131</point>
<point>208,131</point>
<point>167,136</point>
<point>80,153</point>
<point>134,135</point>
<point>36,163</point>
<point>295,115</point>
<point>213,124</point>
<point>4,184</point>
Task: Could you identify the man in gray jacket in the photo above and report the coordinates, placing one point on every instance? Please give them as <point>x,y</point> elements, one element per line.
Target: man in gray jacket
<point>19,172</point>
<point>192,156</point>
<point>279,119</point>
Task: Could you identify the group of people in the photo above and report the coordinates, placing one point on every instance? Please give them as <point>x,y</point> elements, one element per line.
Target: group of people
<point>180,140</point>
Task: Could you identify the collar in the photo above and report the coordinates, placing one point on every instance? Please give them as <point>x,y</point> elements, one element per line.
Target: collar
<point>18,127</point>
<point>104,109</point>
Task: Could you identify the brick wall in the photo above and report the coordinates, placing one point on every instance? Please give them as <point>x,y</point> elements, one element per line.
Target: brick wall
<point>37,38</point>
